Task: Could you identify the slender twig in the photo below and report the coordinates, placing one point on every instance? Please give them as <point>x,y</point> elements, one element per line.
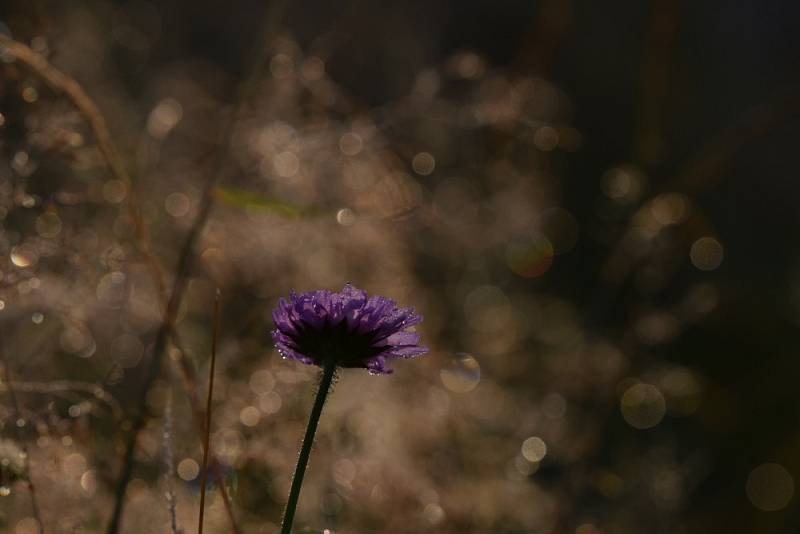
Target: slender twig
<point>62,83</point>
<point>20,438</point>
<point>59,386</point>
<point>308,440</point>
<point>169,465</point>
<point>207,447</point>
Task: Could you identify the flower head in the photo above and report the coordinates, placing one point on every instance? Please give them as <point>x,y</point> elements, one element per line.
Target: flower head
<point>352,328</point>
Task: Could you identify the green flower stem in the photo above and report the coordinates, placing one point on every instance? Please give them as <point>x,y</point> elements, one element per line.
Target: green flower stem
<point>305,451</point>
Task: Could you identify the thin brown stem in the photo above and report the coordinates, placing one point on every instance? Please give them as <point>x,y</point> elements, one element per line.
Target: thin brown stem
<point>207,448</point>
<point>64,84</point>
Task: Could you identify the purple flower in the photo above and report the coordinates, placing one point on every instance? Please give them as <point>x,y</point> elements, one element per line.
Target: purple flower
<point>352,328</point>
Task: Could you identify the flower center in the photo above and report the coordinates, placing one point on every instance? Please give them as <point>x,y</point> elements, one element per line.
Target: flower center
<point>348,348</point>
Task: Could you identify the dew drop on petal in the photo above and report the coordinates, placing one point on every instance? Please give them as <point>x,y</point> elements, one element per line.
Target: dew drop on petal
<point>462,373</point>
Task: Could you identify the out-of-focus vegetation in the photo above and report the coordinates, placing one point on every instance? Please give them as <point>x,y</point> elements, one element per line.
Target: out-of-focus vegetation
<point>593,206</point>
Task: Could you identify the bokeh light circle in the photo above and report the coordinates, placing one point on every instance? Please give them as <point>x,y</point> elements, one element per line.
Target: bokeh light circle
<point>770,487</point>
<point>461,374</point>
<point>643,406</point>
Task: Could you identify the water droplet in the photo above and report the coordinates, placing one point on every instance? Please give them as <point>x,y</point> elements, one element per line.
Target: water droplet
<point>462,374</point>
<point>313,69</point>
<point>530,257</point>
<point>423,163</point>
<point>770,487</point>
<point>270,402</point>
<point>89,482</point>
<point>281,66</point>
<point>623,184</point>
<point>642,406</point>
<point>115,191</point>
<point>24,255</point>
<point>188,469</point>
<point>37,318</point>
<point>534,449</point>
<point>77,339</point>
<point>250,416</point>
<point>345,217</point>
<point>177,204</point>
<point>706,254</point>
<point>30,95</point>
<point>433,513</point>
<point>164,117</point>
<point>262,381</point>
<point>351,144</point>
<point>286,164</point>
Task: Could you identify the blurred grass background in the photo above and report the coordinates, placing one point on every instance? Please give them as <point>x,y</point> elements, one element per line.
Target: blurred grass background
<point>593,205</point>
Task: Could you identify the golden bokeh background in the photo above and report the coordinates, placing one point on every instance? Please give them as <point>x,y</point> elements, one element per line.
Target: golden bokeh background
<point>592,204</point>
